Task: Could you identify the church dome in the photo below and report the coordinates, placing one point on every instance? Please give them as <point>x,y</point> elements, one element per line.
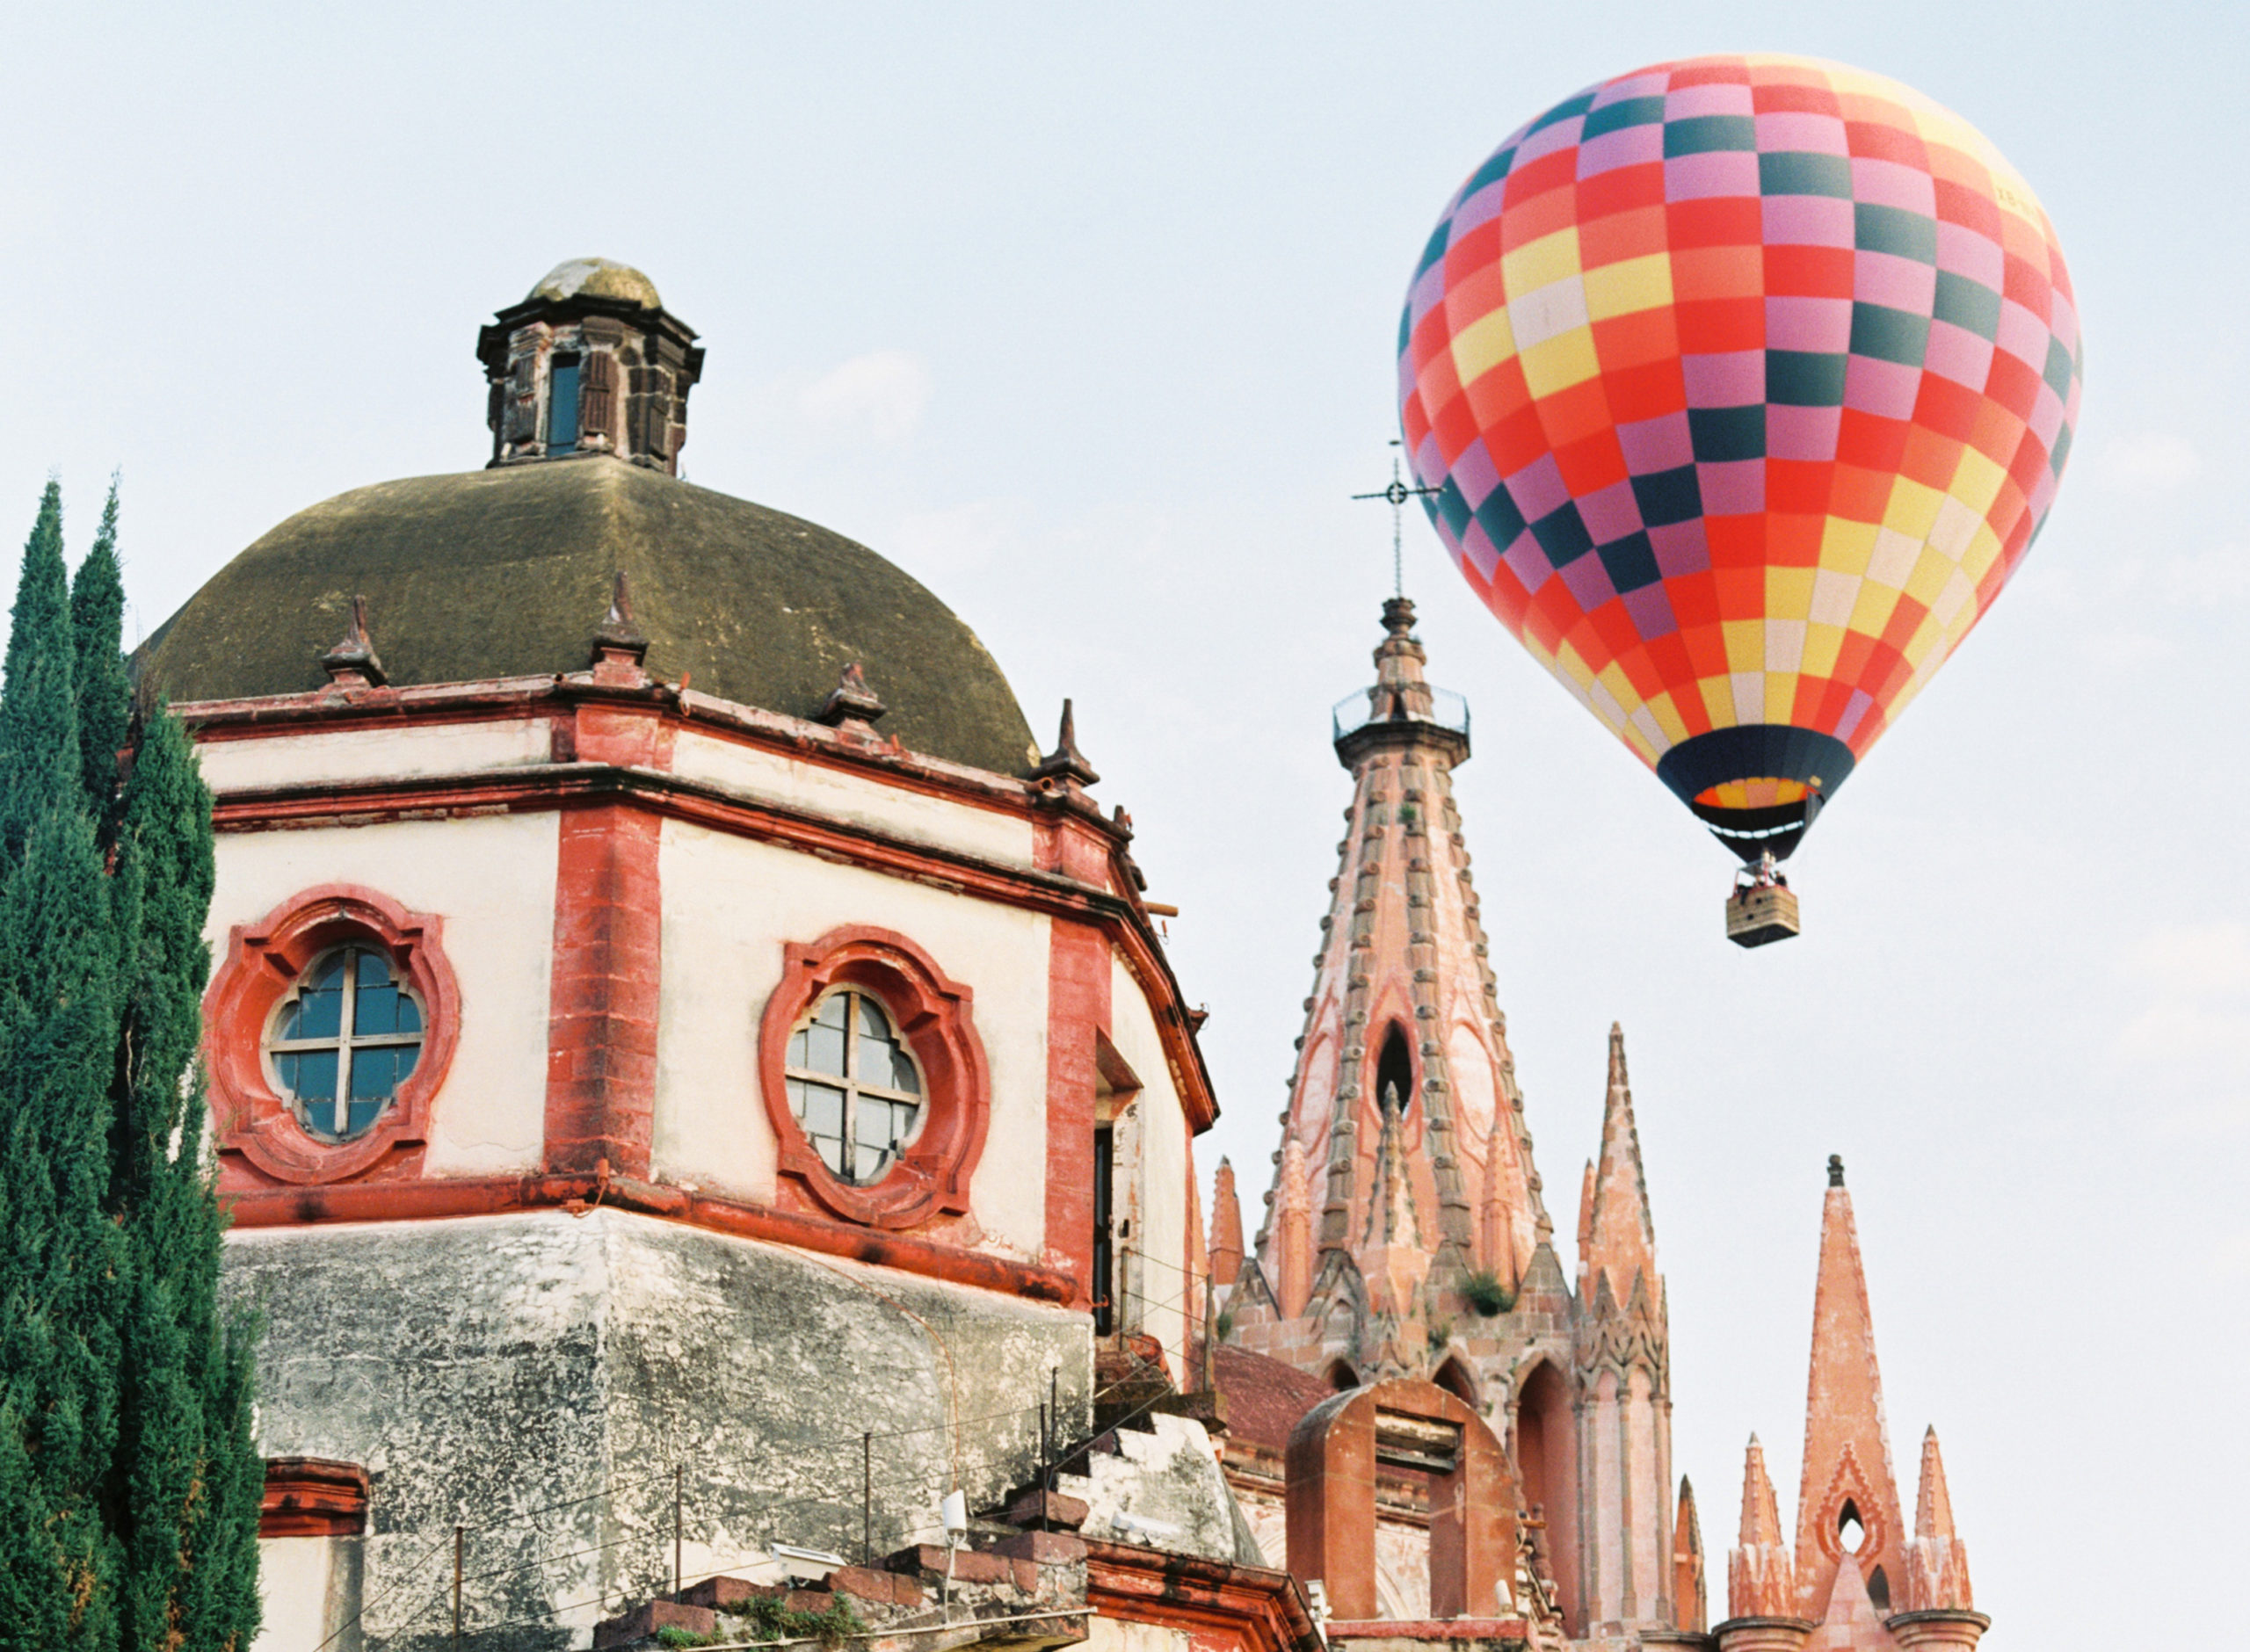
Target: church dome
<point>506,572</point>
<point>596,278</point>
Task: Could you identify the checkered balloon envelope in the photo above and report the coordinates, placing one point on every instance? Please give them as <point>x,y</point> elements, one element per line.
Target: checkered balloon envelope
<point>1742,385</point>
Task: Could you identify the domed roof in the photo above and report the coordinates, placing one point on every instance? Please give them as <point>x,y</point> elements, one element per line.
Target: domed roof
<point>506,572</point>
<point>596,278</point>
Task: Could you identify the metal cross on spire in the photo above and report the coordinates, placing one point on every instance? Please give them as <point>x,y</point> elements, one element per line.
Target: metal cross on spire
<point>1395,495</point>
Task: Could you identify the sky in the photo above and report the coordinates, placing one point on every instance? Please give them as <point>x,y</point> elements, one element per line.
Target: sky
<point>1085,317</point>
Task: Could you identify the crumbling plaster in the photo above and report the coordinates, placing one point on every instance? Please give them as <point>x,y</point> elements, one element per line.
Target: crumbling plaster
<point>275,758</point>
<point>537,1378</point>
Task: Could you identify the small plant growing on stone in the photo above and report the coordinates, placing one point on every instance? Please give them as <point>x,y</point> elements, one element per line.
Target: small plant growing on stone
<point>768,1619</point>
<point>1483,1292</point>
<point>1223,1326</point>
<point>672,1635</point>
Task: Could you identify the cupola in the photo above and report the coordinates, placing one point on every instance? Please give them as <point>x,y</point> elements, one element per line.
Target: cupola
<point>589,362</point>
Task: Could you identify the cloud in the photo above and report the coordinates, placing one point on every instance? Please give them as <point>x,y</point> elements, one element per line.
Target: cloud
<point>2218,575</point>
<point>2191,1035</point>
<point>2154,461</point>
<point>876,398</point>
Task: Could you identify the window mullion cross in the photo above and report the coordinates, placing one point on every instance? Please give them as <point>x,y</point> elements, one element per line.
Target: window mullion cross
<point>851,1085</point>
<point>343,1043</point>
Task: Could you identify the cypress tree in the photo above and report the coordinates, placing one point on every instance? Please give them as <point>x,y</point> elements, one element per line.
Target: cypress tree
<point>62,1259</point>
<point>40,758</point>
<point>129,1487</point>
<point>190,1476</point>
<point>105,690</point>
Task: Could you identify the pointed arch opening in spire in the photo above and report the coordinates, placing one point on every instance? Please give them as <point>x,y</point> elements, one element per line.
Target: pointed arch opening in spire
<point>1454,1379</point>
<point>1546,1456</point>
<point>1394,1069</point>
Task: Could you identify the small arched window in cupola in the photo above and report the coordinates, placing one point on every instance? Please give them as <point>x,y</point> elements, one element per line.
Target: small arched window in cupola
<point>563,404</point>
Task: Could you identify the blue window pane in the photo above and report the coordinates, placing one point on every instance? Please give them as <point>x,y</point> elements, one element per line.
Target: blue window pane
<point>407,1055</point>
<point>825,1045</point>
<point>371,970</point>
<point>819,1108</point>
<point>874,1121</point>
<point>363,1113</point>
<point>409,1015</point>
<point>307,1075</point>
<point>318,1012</point>
<point>563,407</point>
<point>375,1014</point>
<point>374,1075</point>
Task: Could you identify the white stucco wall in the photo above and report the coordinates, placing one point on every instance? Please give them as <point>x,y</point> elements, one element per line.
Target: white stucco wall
<point>771,777</point>
<point>729,907</point>
<point>1117,1634</point>
<point>1160,1237</point>
<point>309,1591</point>
<point>359,754</point>
<point>492,879</point>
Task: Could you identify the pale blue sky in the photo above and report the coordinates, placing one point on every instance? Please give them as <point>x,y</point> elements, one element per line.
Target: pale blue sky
<point>1088,320</point>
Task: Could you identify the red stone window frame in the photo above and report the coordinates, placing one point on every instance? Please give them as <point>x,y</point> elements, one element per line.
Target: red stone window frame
<point>933,1012</point>
<point>313,1496</point>
<point>263,963</point>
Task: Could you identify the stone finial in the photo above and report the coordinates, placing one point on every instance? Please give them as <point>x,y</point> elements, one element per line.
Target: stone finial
<point>1835,1170</point>
<point>1292,1233</point>
<point>619,646</point>
<point>851,700</point>
<point>1066,763</point>
<point>1620,1235</point>
<point>1225,1248</point>
<point>1687,1581</point>
<point>353,663</point>
<point>617,629</point>
<point>1937,1561</point>
<point>1760,1577</point>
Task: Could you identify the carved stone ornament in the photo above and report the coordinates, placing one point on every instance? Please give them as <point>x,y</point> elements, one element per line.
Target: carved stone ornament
<point>931,1012</point>
<point>263,964</point>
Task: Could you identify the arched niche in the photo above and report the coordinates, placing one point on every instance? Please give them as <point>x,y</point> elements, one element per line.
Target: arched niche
<point>1416,1428</point>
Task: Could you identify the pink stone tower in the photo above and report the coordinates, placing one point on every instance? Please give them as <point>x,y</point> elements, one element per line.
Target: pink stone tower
<point>1859,1582</point>
<point>1404,1234</point>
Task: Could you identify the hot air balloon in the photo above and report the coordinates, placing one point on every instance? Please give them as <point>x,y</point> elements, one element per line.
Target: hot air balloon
<point>1741,385</point>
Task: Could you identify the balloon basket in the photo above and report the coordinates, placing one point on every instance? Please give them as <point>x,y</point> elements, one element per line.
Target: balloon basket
<point>1758,914</point>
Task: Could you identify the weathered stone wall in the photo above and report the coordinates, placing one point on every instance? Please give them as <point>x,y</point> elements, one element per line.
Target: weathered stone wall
<point>537,1379</point>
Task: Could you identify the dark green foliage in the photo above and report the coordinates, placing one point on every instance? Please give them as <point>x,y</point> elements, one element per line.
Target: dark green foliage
<point>1483,1292</point>
<point>129,1485</point>
<point>191,1482</point>
<point>60,1257</point>
<point>39,722</point>
<point>104,692</point>
<point>768,1618</point>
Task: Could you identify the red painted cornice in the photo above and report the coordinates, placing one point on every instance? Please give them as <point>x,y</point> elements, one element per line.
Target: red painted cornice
<point>1262,1610</point>
<point>487,1196</point>
<point>536,787</point>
